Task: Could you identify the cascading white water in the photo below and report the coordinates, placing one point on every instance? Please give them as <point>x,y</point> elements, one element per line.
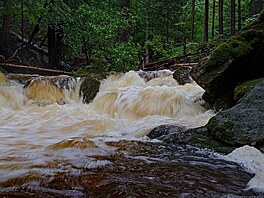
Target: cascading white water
<point>47,115</point>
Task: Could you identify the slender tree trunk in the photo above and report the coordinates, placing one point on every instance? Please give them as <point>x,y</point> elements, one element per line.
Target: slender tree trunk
<point>124,32</point>
<point>184,42</point>
<point>213,19</point>
<point>221,18</point>
<point>36,27</point>
<point>4,36</point>
<point>193,19</point>
<point>206,16</point>
<point>146,61</point>
<point>239,15</point>
<point>22,20</point>
<point>52,47</point>
<point>167,21</point>
<point>233,17</point>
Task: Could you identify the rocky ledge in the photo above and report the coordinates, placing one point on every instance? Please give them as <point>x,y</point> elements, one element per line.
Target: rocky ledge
<point>235,61</point>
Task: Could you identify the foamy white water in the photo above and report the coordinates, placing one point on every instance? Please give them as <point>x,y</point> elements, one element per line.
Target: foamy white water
<point>33,122</point>
<point>252,160</point>
<point>125,106</point>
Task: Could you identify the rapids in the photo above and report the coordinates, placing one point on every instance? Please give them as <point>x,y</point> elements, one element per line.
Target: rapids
<point>52,144</point>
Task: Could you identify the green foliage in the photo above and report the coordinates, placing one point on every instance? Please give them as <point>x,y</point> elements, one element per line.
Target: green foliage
<point>91,29</point>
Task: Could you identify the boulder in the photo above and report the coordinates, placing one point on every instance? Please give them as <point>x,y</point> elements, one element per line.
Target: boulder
<point>43,91</point>
<point>242,124</point>
<point>182,75</point>
<point>89,88</point>
<point>237,60</point>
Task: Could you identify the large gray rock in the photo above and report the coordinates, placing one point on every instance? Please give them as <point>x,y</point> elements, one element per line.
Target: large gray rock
<point>237,60</point>
<point>242,124</point>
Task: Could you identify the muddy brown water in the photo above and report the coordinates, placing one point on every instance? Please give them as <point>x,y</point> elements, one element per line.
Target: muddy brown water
<point>101,149</point>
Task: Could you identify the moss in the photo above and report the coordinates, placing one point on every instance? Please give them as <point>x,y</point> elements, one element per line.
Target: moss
<point>206,141</point>
<point>239,48</point>
<point>220,55</point>
<point>243,88</point>
<point>80,73</point>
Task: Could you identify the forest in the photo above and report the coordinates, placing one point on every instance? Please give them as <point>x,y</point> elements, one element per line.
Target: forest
<point>111,35</point>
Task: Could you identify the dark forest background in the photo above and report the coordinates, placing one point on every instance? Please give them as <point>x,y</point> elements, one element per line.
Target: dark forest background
<point>115,35</point>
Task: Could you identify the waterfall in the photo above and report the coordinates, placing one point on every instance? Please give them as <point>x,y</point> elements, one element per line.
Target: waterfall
<point>44,122</point>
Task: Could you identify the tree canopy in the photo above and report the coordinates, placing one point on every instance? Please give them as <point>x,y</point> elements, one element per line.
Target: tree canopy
<point>119,35</point>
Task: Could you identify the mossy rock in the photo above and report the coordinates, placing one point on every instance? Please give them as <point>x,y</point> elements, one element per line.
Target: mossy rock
<point>242,124</point>
<point>237,60</point>
<point>243,88</point>
<point>197,137</point>
<point>89,88</point>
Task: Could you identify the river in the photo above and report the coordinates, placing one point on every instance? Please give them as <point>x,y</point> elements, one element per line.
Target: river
<point>54,145</point>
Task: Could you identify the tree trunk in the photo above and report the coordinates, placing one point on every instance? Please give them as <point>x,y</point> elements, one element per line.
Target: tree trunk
<point>233,17</point>
<point>52,47</point>
<point>213,19</point>
<point>4,36</point>
<point>193,19</point>
<point>36,27</point>
<point>124,32</point>
<point>239,15</point>
<point>206,16</point>
<point>221,18</point>
<point>184,43</point>
<point>167,21</point>
<point>146,61</point>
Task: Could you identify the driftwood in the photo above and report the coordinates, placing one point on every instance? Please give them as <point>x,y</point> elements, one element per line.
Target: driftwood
<point>25,44</point>
<point>12,68</point>
<point>31,45</point>
<point>178,61</point>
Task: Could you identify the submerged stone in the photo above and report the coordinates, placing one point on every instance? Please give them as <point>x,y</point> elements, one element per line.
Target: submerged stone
<point>43,91</point>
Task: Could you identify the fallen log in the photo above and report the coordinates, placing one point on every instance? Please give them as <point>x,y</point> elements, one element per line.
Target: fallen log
<point>12,68</point>
<point>178,61</point>
<point>172,66</point>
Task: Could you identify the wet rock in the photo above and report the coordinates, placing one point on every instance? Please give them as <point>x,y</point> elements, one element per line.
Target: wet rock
<point>237,60</point>
<point>164,130</point>
<point>182,75</point>
<point>43,91</point>
<point>243,88</point>
<point>89,88</point>
<point>150,75</point>
<point>2,77</point>
<point>198,137</point>
<point>242,124</point>
<point>22,78</point>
